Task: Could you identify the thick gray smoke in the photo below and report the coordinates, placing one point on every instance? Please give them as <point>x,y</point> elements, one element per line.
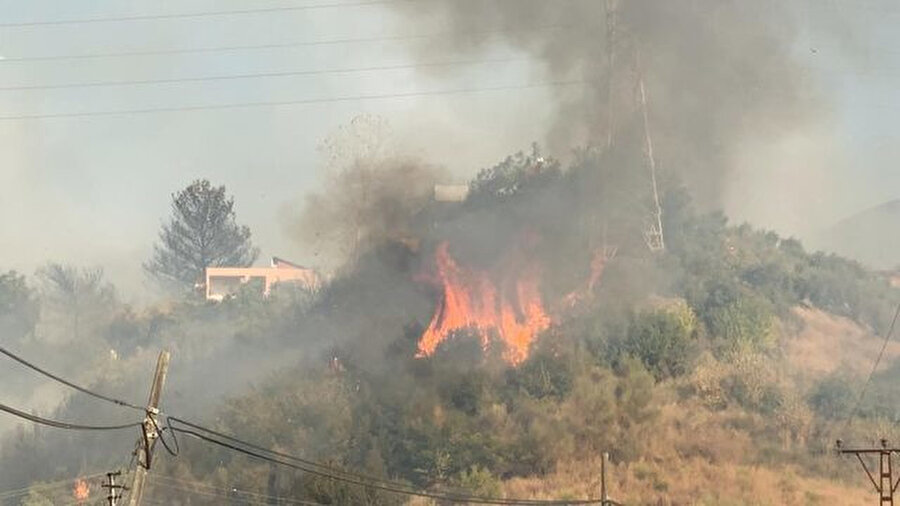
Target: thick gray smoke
<point>715,72</point>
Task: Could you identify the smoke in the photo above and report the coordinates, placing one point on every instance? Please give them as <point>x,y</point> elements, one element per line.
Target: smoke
<point>371,193</point>
<point>715,72</point>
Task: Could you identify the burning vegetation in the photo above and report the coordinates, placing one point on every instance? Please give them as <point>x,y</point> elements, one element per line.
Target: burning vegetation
<point>668,356</point>
<point>81,491</point>
<point>505,308</point>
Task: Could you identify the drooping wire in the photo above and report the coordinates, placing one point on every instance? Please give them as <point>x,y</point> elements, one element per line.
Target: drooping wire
<point>7,494</point>
<point>193,486</point>
<point>862,391</point>
<point>250,449</point>
<point>394,488</point>
<point>63,425</point>
<point>69,384</point>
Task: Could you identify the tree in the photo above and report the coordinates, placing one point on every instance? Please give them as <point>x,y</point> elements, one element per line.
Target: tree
<point>79,298</point>
<point>18,307</point>
<point>201,233</point>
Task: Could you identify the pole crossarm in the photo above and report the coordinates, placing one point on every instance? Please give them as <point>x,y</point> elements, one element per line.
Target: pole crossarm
<point>885,485</point>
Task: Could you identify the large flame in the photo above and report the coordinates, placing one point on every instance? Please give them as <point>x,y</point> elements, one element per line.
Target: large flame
<point>509,309</point>
<point>81,491</point>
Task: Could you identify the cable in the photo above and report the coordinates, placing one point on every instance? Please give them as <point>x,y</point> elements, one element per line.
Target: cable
<point>384,486</point>
<point>186,486</point>
<point>235,440</point>
<point>141,82</point>
<point>152,17</point>
<point>69,384</point>
<point>47,486</point>
<point>862,392</point>
<point>251,47</point>
<point>63,425</point>
<point>280,103</point>
<point>260,452</point>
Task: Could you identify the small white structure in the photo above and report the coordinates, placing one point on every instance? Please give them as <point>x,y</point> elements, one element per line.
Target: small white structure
<point>451,192</point>
<point>222,282</point>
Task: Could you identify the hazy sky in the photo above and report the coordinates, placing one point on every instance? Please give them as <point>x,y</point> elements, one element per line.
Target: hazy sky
<point>93,190</point>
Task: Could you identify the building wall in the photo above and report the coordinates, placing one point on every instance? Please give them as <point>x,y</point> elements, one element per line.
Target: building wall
<point>224,281</point>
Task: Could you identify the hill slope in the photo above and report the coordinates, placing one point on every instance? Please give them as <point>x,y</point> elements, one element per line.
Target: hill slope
<point>871,236</point>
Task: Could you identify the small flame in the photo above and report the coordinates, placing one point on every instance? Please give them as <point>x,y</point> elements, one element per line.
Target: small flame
<point>471,300</point>
<point>81,491</point>
<point>599,259</point>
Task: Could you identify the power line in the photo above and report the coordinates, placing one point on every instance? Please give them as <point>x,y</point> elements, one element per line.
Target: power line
<point>862,392</point>
<point>154,17</point>
<point>46,486</point>
<point>69,384</point>
<point>280,103</point>
<point>284,45</point>
<point>226,77</point>
<point>275,457</point>
<point>398,489</point>
<point>192,486</point>
<point>63,425</point>
<point>221,435</point>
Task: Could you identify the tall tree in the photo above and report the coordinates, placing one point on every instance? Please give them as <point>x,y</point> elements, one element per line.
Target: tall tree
<point>201,233</point>
<point>18,306</point>
<point>78,300</point>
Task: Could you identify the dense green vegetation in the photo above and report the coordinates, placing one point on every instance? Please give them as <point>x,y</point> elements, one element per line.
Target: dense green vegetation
<point>696,330</point>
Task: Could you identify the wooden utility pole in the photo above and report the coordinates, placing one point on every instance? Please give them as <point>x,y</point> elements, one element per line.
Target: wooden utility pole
<point>604,493</point>
<point>149,433</point>
<point>885,484</point>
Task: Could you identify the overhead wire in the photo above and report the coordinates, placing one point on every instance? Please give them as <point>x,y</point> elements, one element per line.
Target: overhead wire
<point>69,384</point>
<point>398,489</point>
<point>192,486</point>
<point>47,486</point>
<point>254,75</point>
<point>878,358</point>
<point>64,425</point>
<point>282,103</point>
<point>230,442</point>
<point>283,45</point>
<point>194,15</point>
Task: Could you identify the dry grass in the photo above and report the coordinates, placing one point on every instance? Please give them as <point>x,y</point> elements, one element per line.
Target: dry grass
<point>827,342</point>
<point>702,453</point>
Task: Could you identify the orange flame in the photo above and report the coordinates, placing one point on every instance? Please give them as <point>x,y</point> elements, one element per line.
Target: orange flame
<point>81,491</point>
<point>471,300</point>
<point>599,259</point>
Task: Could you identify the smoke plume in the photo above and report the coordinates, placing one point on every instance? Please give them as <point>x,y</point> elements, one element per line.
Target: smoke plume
<point>714,72</point>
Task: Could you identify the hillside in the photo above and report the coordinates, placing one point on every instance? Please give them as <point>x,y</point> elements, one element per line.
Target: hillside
<point>497,347</point>
<point>870,236</point>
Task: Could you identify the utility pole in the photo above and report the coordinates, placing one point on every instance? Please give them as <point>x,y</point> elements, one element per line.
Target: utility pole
<point>604,493</point>
<point>653,233</point>
<point>149,433</point>
<point>113,498</point>
<point>611,6</point>
<point>885,484</point>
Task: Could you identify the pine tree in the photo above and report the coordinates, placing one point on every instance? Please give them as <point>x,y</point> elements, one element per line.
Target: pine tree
<point>201,233</point>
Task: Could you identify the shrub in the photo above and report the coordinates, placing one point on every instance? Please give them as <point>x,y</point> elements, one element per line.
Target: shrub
<point>663,340</point>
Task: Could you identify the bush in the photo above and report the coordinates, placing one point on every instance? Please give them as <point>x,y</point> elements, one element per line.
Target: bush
<point>479,482</point>
<point>833,396</point>
<point>743,324</point>
<point>663,340</point>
